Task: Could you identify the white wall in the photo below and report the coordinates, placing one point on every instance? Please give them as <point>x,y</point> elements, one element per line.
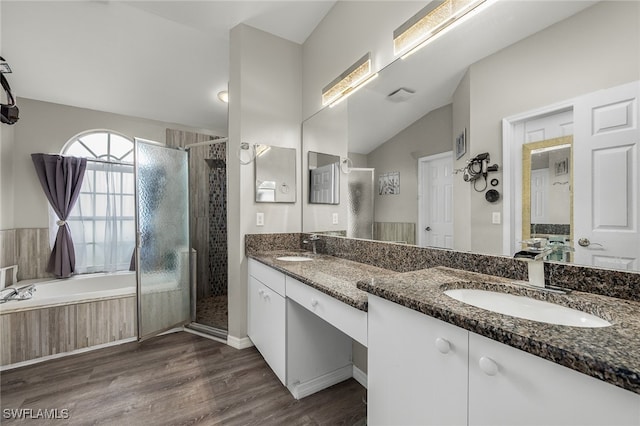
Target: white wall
<point>265,107</point>
<point>429,135</point>
<point>595,49</point>
<point>347,32</point>
<point>46,127</point>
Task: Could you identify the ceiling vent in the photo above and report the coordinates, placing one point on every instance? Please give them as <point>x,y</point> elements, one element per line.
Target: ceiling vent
<point>400,95</point>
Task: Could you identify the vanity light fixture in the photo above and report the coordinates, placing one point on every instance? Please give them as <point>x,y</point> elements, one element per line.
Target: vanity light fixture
<point>422,27</point>
<point>354,78</point>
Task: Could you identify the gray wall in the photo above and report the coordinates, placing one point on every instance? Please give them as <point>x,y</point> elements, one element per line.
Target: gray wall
<point>429,135</point>
<point>46,127</point>
<point>595,49</point>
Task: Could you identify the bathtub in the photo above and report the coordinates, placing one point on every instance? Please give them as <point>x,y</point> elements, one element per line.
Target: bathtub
<point>77,289</point>
<point>66,316</point>
<point>81,313</point>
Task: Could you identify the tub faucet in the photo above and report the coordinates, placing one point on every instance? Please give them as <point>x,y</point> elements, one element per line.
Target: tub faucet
<point>19,293</point>
<point>313,238</point>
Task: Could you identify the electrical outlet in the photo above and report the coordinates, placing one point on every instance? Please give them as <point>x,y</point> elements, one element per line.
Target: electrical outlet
<point>495,218</point>
<point>260,219</point>
<point>335,218</point>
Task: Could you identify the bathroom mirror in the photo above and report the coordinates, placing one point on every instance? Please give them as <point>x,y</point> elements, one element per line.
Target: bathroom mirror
<point>324,178</point>
<point>511,59</point>
<point>275,171</point>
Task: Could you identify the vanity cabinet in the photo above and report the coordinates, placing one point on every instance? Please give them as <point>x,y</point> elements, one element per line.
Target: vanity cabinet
<point>508,386</point>
<point>417,369</point>
<point>476,381</point>
<point>306,352</point>
<point>267,316</point>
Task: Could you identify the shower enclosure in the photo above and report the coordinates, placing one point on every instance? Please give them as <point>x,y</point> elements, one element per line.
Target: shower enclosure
<point>360,203</point>
<point>181,195</point>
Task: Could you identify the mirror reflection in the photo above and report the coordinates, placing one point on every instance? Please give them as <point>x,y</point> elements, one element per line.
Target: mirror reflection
<point>547,185</point>
<point>516,64</point>
<point>275,171</point>
<point>324,178</point>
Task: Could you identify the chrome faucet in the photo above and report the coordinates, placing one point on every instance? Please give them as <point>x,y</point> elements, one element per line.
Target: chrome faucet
<point>313,238</point>
<point>19,293</point>
<point>535,264</point>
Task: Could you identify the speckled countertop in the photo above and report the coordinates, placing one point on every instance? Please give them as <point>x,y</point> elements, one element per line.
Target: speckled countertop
<point>331,275</point>
<point>611,354</point>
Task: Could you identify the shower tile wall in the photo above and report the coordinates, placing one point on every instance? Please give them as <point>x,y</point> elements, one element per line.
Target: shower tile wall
<point>218,220</point>
<point>198,200</point>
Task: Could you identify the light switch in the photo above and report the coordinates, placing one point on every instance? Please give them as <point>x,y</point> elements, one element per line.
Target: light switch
<point>495,218</point>
<point>335,218</point>
<point>259,219</point>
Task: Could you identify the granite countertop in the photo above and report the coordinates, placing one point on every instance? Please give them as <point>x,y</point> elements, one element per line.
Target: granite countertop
<point>331,275</point>
<point>611,354</point>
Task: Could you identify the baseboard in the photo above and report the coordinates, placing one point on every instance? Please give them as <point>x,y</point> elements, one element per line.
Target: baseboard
<point>360,376</point>
<point>300,390</point>
<point>239,343</point>
<point>64,354</point>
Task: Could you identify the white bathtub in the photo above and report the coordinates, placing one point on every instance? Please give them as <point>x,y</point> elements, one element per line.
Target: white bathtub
<point>77,289</point>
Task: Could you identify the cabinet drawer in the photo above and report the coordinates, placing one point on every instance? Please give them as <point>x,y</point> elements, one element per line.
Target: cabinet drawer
<point>267,325</point>
<point>345,318</point>
<point>267,275</point>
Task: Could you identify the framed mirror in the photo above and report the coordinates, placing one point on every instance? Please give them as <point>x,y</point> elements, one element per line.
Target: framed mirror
<point>275,171</point>
<point>510,60</point>
<point>547,193</point>
<point>324,178</point>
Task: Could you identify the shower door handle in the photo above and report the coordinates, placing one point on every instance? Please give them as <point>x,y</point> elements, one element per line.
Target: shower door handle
<point>139,239</point>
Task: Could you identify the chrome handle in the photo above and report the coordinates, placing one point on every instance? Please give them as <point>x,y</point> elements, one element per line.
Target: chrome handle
<point>428,228</point>
<point>584,242</point>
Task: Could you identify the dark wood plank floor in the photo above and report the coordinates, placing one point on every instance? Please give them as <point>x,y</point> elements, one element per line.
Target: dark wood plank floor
<point>176,379</point>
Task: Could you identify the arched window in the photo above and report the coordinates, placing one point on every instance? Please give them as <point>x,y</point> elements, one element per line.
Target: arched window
<point>103,220</point>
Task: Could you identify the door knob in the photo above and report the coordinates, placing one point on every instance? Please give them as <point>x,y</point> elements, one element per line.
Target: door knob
<point>428,228</point>
<point>584,242</point>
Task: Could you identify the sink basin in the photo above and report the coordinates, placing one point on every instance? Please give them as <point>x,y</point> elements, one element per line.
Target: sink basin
<point>294,258</point>
<point>526,307</point>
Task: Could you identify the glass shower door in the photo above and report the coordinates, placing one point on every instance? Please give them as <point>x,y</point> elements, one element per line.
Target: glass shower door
<point>360,203</point>
<point>162,221</point>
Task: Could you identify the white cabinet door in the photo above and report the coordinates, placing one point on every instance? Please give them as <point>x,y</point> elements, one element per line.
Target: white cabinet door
<point>267,325</point>
<point>508,386</point>
<point>417,372</point>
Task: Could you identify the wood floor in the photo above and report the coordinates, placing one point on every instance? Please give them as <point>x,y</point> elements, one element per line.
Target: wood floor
<point>176,379</point>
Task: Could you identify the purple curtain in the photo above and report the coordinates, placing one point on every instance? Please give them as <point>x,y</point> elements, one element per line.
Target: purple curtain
<point>61,179</point>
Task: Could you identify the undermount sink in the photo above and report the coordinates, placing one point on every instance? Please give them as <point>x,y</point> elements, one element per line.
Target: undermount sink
<point>527,308</point>
<point>294,258</point>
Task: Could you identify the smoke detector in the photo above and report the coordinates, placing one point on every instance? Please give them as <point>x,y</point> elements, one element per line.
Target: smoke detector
<point>400,95</point>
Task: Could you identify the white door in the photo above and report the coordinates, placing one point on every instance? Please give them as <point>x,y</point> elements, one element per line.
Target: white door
<point>539,195</point>
<point>435,223</point>
<point>529,130</point>
<point>606,158</point>
<point>323,182</point>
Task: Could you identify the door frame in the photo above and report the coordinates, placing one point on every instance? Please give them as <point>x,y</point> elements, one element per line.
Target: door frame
<point>512,167</point>
<point>422,211</point>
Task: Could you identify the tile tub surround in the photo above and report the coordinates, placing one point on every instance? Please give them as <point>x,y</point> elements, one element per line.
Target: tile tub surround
<point>405,258</point>
<point>331,275</point>
<point>611,354</point>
